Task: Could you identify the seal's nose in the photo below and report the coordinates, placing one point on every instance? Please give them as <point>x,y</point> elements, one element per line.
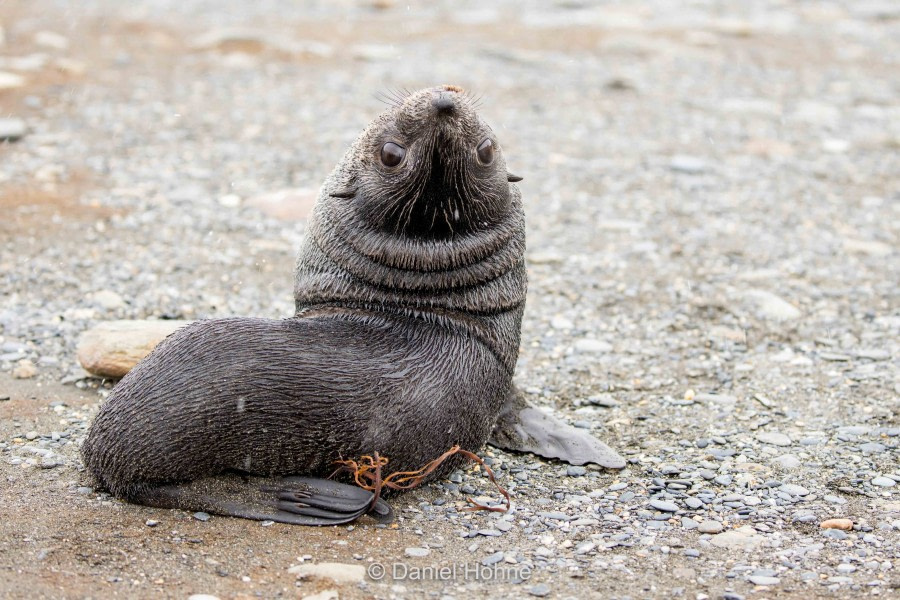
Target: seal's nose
<point>443,103</point>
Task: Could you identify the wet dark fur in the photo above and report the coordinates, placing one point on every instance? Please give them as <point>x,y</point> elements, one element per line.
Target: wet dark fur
<point>410,288</point>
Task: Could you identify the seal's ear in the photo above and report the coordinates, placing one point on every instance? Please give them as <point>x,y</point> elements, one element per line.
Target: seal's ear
<point>512,178</point>
<point>343,193</point>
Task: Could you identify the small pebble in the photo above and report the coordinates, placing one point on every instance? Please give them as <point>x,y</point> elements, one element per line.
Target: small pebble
<point>845,524</point>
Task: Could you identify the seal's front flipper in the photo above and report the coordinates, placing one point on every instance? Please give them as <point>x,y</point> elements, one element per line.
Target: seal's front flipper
<point>292,500</point>
<point>524,428</point>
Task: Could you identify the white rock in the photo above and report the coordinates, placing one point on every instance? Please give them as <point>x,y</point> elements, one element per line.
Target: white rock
<point>12,129</point>
<point>230,200</point>
<point>774,438</point>
<point>787,461</point>
<point>763,580</point>
<point>291,204</point>
<point>51,39</point>
<point>870,247</point>
<point>816,113</point>
<point>742,538</point>
<point>108,299</point>
<point>374,52</point>
<point>337,572</point>
<point>835,146</point>
<point>592,346</point>
<point>770,306</point>
<point>223,37</point>
<point>687,164</point>
<point>323,595</point>
<point>9,81</point>
<point>561,323</point>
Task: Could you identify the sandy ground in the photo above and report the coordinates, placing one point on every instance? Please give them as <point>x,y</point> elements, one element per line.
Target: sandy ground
<point>712,202</point>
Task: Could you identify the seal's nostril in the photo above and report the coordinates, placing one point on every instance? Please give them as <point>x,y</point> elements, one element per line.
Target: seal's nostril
<point>444,104</point>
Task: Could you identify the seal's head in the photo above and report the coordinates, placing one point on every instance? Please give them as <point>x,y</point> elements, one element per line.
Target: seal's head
<point>429,167</point>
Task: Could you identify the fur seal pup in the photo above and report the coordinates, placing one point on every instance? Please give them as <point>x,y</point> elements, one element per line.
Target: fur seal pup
<point>409,288</point>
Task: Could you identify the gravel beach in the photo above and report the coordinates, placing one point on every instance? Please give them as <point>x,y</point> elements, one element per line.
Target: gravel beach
<point>712,193</point>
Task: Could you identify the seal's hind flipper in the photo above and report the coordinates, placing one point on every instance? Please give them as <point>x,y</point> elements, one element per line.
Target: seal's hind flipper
<point>524,428</point>
<point>326,499</point>
<point>292,500</point>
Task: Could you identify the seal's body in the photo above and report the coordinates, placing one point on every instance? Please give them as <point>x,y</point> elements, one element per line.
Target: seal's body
<point>410,289</point>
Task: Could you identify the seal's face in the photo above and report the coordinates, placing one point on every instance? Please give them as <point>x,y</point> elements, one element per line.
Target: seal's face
<point>431,168</point>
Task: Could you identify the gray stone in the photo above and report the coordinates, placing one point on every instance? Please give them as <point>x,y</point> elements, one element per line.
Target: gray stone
<point>417,552</point>
<point>872,447</point>
<point>664,505</point>
<point>556,516</point>
<point>585,548</point>
<point>763,580</point>
<point>540,590</point>
<point>694,503</point>
<point>604,401</point>
<point>794,489</point>
<point>883,482</point>
<point>489,532</point>
<point>710,527</point>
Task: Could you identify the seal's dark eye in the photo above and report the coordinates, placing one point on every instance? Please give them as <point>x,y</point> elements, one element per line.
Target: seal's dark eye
<point>485,152</point>
<point>392,154</point>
